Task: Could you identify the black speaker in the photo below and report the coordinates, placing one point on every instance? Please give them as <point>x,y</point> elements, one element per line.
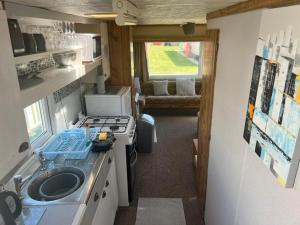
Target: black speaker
<point>16,37</point>
<point>188,28</point>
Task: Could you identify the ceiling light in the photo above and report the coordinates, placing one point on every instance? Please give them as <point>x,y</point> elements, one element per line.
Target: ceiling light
<point>102,15</point>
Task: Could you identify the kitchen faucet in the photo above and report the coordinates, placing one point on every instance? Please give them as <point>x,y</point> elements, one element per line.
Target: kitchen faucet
<point>19,182</point>
<point>43,161</point>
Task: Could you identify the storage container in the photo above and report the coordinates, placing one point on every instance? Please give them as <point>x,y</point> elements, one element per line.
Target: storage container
<point>72,144</point>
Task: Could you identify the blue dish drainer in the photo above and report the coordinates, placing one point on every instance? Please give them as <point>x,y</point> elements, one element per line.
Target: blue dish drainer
<point>72,144</point>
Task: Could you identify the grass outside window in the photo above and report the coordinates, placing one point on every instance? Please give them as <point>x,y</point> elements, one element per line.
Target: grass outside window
<point>173,59</point>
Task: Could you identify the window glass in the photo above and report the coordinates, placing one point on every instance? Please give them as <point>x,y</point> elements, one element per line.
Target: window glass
<point>174,59</point>
<point>36,120</point>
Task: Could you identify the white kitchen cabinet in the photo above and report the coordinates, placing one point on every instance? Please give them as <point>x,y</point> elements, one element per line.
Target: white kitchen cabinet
<point>13,131</point>
<point>103,215</point>
<point>106,211</point>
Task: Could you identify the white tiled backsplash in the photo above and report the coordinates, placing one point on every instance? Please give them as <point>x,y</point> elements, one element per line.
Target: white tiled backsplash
<point>55,39</point>
<point>54,35</point>
<point>35,66</point>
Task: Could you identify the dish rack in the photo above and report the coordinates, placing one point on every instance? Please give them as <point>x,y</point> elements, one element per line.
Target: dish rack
<point>72,144</point>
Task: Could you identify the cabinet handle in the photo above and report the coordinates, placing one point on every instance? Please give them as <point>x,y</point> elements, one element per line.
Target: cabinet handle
<point>104,194</point>
<point>107,183</point>
<point>109,160</point>
<point>96,197</point>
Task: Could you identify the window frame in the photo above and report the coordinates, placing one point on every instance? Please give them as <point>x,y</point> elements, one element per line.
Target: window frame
<point>174,77</point>
<point>46,120</point>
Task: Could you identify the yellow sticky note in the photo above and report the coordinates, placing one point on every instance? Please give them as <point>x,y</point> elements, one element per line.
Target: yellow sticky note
<point>102,136</point>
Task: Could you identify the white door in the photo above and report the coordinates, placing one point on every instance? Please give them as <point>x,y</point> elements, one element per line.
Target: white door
<point>13,131</point>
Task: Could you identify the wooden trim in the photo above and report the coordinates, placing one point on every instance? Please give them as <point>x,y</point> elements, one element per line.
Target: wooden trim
<point>169,38</point>
<point>205,37</point>
<point>144,33</point>
<point>205,114</point>
<point>119,54</point>
<point>249,6</point>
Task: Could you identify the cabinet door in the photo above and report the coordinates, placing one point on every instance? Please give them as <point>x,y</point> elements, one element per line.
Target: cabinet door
<point>13,131</point>
<point>106,211</point>
<point>103,213</point>
<point>112,192</point>
<point>114,186</point>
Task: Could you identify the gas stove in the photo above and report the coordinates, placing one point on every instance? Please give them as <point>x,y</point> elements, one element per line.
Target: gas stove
<point>113,124</point>
<point>123,128</point>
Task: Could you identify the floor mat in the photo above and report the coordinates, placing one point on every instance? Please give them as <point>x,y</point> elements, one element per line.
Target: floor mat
<point>160,211</point>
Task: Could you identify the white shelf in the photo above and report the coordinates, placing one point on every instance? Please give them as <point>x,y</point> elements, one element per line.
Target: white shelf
<point>27,58</point>
<point>53,79</point>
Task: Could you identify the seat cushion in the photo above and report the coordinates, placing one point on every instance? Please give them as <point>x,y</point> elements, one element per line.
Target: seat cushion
<point>185,87</point>
<point>147,87</point>
<point>172,101</point>
<point>160,88</point>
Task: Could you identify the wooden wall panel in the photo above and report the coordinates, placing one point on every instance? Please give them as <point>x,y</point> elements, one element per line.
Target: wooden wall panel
<point>166,33</point>
<point>249,6</point>
<point>206,107</point>
<point>119,52</point>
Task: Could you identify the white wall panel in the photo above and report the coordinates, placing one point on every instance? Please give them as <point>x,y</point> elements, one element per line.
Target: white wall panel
<point>241,190</point>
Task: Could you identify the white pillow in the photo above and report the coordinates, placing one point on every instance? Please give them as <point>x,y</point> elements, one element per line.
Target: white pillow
<point>160,88</point>
<point>185,87</point>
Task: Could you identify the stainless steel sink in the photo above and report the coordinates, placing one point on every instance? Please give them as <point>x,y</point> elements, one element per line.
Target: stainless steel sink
<point>56,183</point>
<point>42,189</point>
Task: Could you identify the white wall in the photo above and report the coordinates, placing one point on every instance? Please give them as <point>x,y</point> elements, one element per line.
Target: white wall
<point>66,111</point>
<point>13,130</point>
<point>241,190</point>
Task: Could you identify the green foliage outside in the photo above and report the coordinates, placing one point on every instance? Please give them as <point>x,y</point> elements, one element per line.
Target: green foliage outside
<point>167,60</point>
<point>35,133</point>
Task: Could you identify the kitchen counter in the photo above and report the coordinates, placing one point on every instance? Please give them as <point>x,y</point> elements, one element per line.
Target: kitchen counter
<point>54,215</point>
<point>69,210</point>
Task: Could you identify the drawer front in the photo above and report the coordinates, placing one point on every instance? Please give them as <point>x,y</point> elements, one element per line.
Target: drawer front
<point>96,193</point>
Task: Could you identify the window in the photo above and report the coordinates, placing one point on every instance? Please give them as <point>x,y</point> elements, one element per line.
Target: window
<point>174,59</point>
<point>38,122</point>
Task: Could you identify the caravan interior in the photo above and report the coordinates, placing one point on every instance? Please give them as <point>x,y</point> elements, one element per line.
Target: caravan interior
<point>139,112</point>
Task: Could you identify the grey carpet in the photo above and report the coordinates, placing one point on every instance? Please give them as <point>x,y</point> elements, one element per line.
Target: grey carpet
<point>168,171</point>
<point>160,211</point>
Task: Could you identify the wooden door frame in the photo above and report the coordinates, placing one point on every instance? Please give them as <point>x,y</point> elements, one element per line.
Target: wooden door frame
<point>119,54</point>
<point>205,117</point>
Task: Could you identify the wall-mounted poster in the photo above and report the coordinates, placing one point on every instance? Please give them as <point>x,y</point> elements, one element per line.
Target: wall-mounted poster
<point>273,115</point>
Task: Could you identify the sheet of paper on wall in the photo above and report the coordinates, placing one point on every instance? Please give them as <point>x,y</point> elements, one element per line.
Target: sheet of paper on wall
<point>273,115</point>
